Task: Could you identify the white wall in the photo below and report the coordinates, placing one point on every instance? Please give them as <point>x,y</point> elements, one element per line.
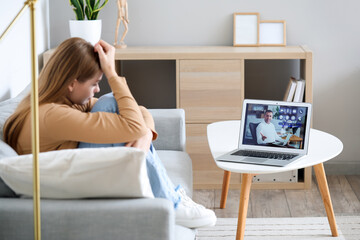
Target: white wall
<point>15,63</point>
<point>329,27</point>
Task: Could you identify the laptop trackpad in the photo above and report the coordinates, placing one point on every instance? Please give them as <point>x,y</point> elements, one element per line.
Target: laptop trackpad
<point>254,160</point>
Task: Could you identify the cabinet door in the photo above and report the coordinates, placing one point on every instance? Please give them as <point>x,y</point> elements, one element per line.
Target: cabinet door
<point>211,90</point>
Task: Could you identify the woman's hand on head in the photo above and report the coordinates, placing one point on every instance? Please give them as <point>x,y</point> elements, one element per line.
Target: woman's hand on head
<point>142,143</point>
<point>107,58</point>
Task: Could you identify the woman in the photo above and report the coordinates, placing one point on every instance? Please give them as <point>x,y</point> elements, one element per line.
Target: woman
<point>68,114</point>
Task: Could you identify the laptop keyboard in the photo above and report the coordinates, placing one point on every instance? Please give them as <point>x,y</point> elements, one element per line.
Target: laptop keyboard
<point>269,155</point>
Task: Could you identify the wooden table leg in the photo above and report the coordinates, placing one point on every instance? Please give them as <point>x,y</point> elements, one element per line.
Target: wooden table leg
<point>246,181</point>
<point>325,194</point>
<point>225,188</point>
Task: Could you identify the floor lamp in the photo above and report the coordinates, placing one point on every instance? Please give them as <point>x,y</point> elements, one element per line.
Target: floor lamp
<point>34,113</point>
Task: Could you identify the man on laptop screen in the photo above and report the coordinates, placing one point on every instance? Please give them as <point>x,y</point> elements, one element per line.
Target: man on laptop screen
<point>272,133</point>
<point>266,132</point>
<point>275,125</point>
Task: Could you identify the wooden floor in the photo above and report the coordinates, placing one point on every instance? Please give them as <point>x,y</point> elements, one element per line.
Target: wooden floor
<point>344,191</point>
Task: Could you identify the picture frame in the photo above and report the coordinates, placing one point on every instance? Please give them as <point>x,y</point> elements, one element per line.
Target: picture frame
<point>272,33</point>
<point>246,29</point>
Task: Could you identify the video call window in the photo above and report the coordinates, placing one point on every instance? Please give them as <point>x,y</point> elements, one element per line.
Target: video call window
<point>275,125</point>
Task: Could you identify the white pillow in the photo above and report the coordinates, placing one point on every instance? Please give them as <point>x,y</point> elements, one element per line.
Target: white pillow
<point>81,173</point>
<point>9,106</point>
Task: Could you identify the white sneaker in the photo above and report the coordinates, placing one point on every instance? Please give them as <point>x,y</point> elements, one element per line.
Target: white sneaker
<point>192,215</point>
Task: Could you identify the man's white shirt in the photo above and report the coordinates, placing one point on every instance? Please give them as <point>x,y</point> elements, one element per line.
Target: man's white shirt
<point>267,130</point>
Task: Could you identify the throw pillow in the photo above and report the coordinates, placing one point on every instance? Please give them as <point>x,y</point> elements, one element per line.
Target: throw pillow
<point>8,107</point>
<point>6,151</point>
<point>81,173</point>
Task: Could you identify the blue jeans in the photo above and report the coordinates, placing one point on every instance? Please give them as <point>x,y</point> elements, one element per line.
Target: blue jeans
<point>161,185</point>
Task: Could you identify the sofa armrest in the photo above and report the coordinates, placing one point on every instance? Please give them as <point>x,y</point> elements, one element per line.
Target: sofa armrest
<point>170,125</point>
<point>106,219</point>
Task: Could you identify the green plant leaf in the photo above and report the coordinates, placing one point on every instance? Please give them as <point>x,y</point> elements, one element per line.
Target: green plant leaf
<point>92,3</point>
<point>88,13</point>
<point>101,7</point>
<point>95,15</point>
<point>82,5</point>
<point>77,14</point>
<point>88,4</point>
<point>90,8</point>
<point>78,7</point>
<point>97,5</point>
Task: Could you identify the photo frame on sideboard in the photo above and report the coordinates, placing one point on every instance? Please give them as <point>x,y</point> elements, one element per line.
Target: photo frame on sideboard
<point>246,29</point>
<point>272,33</point>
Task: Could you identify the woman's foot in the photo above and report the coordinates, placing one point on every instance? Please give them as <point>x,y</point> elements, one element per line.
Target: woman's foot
<point>192,215</point>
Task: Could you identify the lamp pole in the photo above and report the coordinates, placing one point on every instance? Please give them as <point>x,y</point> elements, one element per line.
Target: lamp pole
<point>35,123</point>
<point>34,113</point>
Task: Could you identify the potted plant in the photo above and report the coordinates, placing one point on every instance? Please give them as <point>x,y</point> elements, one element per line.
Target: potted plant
<point>89,29</point>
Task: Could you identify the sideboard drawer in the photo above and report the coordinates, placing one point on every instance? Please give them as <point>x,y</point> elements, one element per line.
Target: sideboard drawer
<point>210,90</point>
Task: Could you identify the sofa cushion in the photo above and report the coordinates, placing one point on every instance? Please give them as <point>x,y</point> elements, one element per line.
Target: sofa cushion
<point>103,219</point>
<point>8,107</point>
<point>170,125</point>
<point>81,173</point>
<point>179,168</point>
<point>6,151</point>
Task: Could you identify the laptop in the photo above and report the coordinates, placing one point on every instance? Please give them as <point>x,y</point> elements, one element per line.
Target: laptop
<point>272,133</point>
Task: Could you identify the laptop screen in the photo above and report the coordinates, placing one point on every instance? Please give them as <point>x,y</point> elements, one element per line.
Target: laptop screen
<point>279,125</point>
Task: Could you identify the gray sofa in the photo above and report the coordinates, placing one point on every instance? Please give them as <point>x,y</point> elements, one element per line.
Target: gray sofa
<point>105,219</point>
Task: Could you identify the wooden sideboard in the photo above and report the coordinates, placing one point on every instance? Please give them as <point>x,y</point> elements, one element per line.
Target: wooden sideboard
<point>210,86</point>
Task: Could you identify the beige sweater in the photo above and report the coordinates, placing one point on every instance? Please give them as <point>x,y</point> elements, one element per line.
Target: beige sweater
<point>63,124</point>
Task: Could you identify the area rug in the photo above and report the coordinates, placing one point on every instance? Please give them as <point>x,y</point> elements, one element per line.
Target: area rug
<point>283,229</point>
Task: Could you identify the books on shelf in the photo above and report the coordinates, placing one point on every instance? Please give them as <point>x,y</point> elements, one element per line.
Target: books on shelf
<point>290,91</point>
<point>295,90</point>
<point>300,90</point>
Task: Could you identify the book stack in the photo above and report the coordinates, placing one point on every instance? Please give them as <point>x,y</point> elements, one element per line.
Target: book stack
<point>295,90</point>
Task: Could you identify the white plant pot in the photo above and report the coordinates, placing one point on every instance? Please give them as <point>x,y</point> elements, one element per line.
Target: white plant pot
<point>90,30</point>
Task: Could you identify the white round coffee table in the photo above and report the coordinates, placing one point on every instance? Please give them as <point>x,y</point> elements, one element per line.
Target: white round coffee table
<point>224,136</point>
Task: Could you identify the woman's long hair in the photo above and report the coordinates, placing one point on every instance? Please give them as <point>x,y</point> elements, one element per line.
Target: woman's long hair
<point>73,59</point>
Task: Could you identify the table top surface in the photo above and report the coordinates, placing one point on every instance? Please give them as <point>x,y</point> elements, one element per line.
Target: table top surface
<point>223,137</point>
